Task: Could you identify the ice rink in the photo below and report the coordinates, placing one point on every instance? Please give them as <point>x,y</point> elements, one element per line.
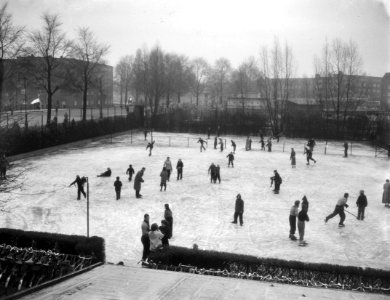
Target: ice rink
<point>203,211</point>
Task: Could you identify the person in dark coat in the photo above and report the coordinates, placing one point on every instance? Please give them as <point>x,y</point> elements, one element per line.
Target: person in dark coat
<point>361,203</point>
<point>179,168</point>
<point>262,144</point>
<point>130,172</point>
<point>386,193</point>
<point>302,218</point>
<point>234,146</point>
<point>269,145</point>
<point>230,156</point>
<point>218,174</point>
<point>202,142</point>
<point>137,182</point>
<point>213,173</point>
<point>208,133</point>
<point>118,187</point>
<point>292,158</point>
<point>277,180</point>
<point>339,210</point>
<point>80,186</point>
<point>145,133</point>
<point>168,216</point>
<point>345,149</point>
<point>309,155</point>
<point>164,229</point>
<point>239,210</point>
<point>164,178</point>
<point>221,144</point>
<point>150,146</point>
<point>215,142</point>
<point>4,164</point>
<point>145,228</point>
<point>106,173</point>
<point>311,143</point>
<point>293,220</point>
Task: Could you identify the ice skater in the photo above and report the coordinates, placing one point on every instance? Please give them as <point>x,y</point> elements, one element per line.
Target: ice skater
<point>277,180</point>
<point>208,133</point>
<point>168,167</point>
<point>345,149</point>
<point>238,210</point>
<point>202,142</point>
<point>137,183</point>
<point>145,228</point>
<point>230,156</point>
<point>221,144</point>
<point>302,218</point>
<point>106,173</point>
<point>164,177</point>
<point>168,216</point>
<point>213,173</point>
<point>145,133</point>
<point>4,164</point>
<point>361,203</point>
<point>80,186</point>
<point>269,145</point>
<point>130,171</point>
<point>309,155</point>
<point>150,145</point>
<point>179,168</point>
<point>118,187</point>
<point>262,144</point>
<point>292,158</point>
<point>215,142</point>
<point>339,210</point>
<point>386,193</point>
<point>234,146</point>
<point>311,143</point>
<point>217,174</point>
<point>293,220</point>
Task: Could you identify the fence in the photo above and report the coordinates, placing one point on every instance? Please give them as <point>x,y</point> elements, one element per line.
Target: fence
<point>38,117</point>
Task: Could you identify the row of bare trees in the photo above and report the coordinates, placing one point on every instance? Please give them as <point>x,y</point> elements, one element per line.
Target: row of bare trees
<point>50,45</point>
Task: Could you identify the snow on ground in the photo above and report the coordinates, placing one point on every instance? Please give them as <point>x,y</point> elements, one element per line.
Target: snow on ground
<point>203,211</point>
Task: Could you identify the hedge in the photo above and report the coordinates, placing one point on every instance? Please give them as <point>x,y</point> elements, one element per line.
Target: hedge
<point>69,244</point>
<point>286,271</point>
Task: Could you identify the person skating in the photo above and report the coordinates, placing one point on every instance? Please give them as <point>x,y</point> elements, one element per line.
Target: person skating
<point>221,144</point>
<point>311,143</point>
<point>249,143</point>
<point>150,145</point>
<point>179,168</point>
<point>213,173</point>
<point>168,167</point>
<point>386,193</point>
<point>145,228</point>
<point>130,171</point>
<point>164,178</point>
<point>339,210</point>
<point>309,155</point>
<point>4,164</point>
<point>164,229</point>
<point>361,203</point>
<point>218,174</point>
<point>292,158</point>
<point>202,142</point>
<point>234,146</point>
<point>137,182</point>
<point>145,133</point>
<point>293,220</point>
<point>118,187</point>
<point>168,216</point>
<point>155,237</point>
<point>106,173</point>
<point>302,218</point>
<point>262,144</point>
<point>269,145</point>
<point>345,149</point>
<point>238,210</point>
<point>208,133</point>
<point>230,156</point>
<point>277,180</point>
<point>80,186</point>
<point>215,142</point>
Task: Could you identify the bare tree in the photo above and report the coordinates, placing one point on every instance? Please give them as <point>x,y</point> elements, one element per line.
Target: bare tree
<point>11,44</point>
<point>124,72</point>
<point>200,70</point>
<point>49,45</point>
<point>89,54</point>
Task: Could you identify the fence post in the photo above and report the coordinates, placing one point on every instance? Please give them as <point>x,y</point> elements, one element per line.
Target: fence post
<point>351,148</point>
<point>284,143</point>
<point>326,145</point>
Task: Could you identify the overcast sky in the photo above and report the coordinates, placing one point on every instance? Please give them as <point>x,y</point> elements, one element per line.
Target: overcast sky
<point>232,29</point>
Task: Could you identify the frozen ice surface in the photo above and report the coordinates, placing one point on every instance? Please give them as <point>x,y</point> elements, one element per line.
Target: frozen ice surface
<point>203,211</point>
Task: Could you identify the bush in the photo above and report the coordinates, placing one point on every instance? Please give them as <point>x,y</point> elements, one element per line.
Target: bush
<point>69,244</point>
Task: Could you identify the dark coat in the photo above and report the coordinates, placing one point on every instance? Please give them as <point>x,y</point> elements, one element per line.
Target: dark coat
<point>138,179</point>
<point>118,184</point>
<point>239,206</point>
<point>230,156</point>
<point>362,201</point>
<point>302,215</point>
<point>164,176</point>
<point>179,165</point>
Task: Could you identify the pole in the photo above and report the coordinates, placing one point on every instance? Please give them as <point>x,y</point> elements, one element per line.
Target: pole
<point>284,143</point>
<point>351,213</point>
<point>87,208</point>
<point>131,136</point>
<point>326,144</point>
<point>25,104</point>
<point>351,148</point>
<point>42,121</point>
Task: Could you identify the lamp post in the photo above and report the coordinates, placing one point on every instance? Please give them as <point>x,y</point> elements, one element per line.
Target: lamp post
<point>87,207</point>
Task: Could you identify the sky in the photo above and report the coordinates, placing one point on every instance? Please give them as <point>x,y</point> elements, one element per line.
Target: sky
<point>235,29</point>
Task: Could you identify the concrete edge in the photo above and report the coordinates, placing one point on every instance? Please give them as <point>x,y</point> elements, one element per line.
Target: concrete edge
<point>50,282</point>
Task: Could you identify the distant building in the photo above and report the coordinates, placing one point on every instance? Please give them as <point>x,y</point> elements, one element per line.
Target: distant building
<point>385,92</point>
<point>22,84</point>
